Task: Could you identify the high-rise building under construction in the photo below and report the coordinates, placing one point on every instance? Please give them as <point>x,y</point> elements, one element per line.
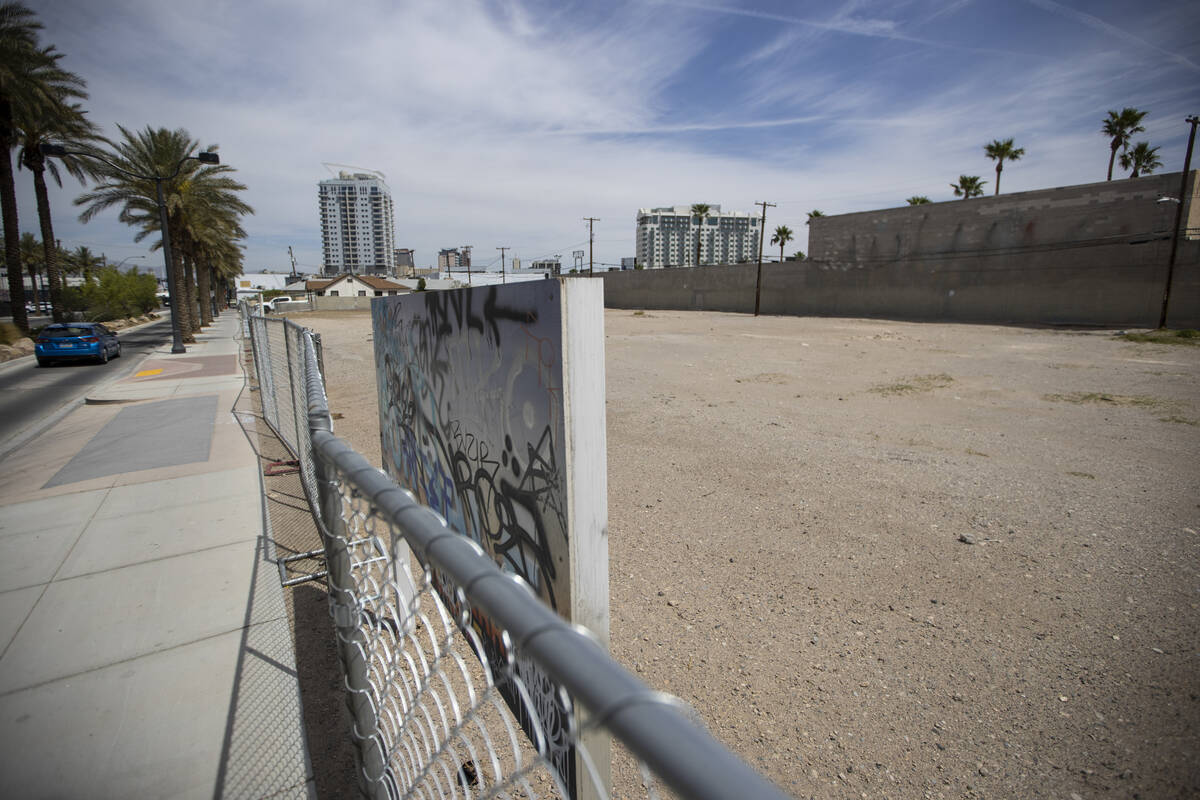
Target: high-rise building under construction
<point>357,224</point>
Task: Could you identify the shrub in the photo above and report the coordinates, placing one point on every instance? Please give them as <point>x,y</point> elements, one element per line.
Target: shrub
<point>9,333</point>
<point>117,294</point>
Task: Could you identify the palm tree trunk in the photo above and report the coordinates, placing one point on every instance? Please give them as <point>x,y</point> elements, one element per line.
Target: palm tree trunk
<point>218,287</point>
<point>49,247</point>
<point>189,291</point>
<point>33,279</point>
<point>12,231</point>
<point>999,166</point>
<point>186,285</point>
<point>1111,159</point>
<point>204,284</point>
<point>180,298</point>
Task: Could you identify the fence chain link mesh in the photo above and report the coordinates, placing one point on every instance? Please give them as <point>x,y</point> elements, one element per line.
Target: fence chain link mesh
<point>430,718</point>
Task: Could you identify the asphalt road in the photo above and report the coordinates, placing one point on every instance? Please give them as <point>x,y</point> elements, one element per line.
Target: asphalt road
<point>33,396</point>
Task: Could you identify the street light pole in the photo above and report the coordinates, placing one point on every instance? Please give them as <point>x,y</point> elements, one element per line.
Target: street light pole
<point>1187,164</point>
<point>204,158</point>
<point>176,333</point>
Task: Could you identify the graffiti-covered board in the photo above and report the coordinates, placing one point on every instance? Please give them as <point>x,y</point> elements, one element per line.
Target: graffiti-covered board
<point>491,411</point>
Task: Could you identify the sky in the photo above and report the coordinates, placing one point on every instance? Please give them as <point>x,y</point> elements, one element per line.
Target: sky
<point>507,123</point>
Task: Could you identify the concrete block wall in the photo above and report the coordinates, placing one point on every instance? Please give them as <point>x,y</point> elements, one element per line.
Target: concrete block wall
<point>1094,254</point>
<point>341,303</point>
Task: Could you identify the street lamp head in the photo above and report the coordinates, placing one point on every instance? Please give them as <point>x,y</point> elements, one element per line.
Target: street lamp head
<point>48,149</point>
<point>209,158</point>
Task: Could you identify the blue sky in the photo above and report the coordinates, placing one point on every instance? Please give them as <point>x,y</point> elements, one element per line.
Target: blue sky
<point>507,123</point>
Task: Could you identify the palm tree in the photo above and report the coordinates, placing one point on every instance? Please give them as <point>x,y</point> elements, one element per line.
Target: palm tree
<point>226,264</point>
<point>813,215</point>
<point>33,259</point>
<point>1120,128</point>
<point>700,210</point>
<point>84,260</point>
<point>917,200</point>
<point>209,245</point>
<point>968,186</point>
<point>210,230</point>
<point>783,235</point>
<point>193,197</point>
<point>1141,159</point>
<point>63,122</point>
<point>19,57</point>
<point>998,151</point>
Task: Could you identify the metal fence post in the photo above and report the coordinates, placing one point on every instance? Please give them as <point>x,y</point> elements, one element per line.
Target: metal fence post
<point>374,773</point>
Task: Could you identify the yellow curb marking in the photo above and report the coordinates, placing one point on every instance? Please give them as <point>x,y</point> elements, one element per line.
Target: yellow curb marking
<point>146,372</point>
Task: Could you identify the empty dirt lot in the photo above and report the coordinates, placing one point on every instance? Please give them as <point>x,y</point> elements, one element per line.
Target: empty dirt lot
<point>889,559</point>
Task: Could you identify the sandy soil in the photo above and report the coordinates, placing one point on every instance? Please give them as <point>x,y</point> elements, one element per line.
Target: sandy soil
<point>888,559</point>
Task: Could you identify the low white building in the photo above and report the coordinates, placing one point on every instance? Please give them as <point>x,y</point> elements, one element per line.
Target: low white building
<point>266,281</point>
<point>250,285</point>
<point>354,286</point>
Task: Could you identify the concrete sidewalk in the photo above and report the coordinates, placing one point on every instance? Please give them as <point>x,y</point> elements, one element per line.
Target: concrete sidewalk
<point>146,647</point>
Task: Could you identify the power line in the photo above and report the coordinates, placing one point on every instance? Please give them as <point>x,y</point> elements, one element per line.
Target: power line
<point>591,240</point>
<point>762,232</point>
<point>503,279</point>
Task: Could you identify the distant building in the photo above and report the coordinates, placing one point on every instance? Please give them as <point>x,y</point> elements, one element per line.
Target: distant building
<point>629,263</point>
<point>357,224</point>
<point>405,262</point>
<point>355,286</point>
<point>550,265</point>
<point>452,258</point>
<point>666,237</point>
<point>266,281</point>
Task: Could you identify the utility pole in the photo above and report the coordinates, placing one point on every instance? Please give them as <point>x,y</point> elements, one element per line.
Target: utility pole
<point>467,249</point>
<point>502,249</point>
<point>1187,164</point>
<point>762,232</point>
<point>292,256</point>
<point>590,221</point>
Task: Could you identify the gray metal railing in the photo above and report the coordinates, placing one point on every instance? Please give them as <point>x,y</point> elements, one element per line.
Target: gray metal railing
<point>429,722</point>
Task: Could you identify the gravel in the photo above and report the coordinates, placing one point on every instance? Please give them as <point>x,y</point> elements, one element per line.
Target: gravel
<point>790,504</point>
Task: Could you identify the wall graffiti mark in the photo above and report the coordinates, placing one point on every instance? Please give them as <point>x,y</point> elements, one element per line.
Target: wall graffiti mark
<point>471,421</point>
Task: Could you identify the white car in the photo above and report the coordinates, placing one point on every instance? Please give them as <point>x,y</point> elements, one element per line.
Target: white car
<point>287,304</point>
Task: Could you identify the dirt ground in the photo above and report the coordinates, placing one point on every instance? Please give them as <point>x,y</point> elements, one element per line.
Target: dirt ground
<point>888,559</point>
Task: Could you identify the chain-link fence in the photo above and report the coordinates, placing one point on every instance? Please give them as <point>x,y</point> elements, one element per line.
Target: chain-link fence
<point>431,717</point>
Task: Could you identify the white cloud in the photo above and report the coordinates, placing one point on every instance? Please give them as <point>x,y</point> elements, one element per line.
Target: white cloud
<point>1112,31</point>
<point>505,124</point>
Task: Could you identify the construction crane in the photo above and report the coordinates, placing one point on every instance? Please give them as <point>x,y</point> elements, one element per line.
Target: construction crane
<point>329,165</point>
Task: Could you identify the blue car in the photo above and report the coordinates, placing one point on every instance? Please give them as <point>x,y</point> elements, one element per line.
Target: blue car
<point>76,341</point>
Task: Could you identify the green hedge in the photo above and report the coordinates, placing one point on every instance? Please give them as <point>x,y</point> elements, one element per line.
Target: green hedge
<point>113,294</point>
